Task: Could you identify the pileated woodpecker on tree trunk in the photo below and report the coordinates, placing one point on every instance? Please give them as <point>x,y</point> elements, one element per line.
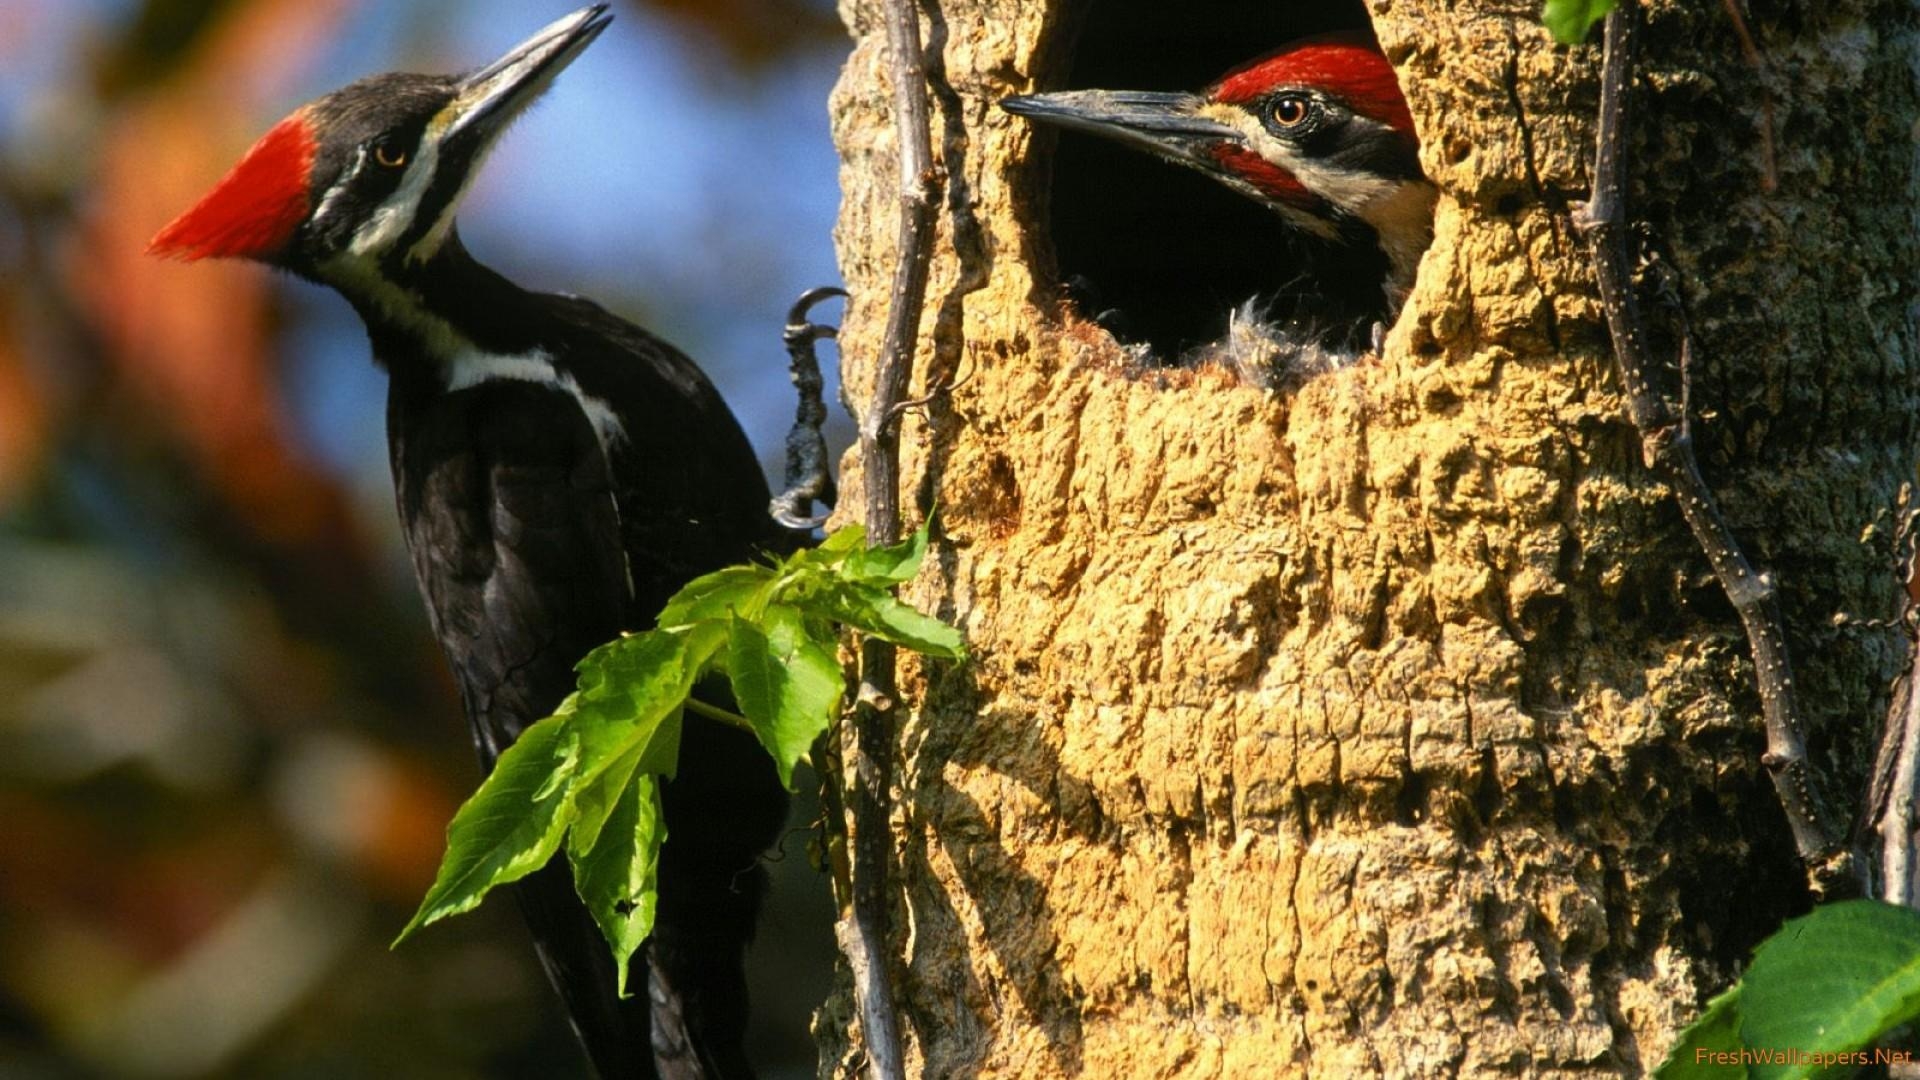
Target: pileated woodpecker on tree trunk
<point>560,473</point>
<point>1318,132</point>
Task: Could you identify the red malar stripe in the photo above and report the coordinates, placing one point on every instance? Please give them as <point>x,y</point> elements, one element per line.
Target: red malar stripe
<point>256,207</point>
<point>1349,68</point>
<point>1275,181</point>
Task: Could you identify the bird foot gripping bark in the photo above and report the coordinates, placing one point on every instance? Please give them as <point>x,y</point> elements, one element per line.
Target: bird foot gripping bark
<point>809,477</point>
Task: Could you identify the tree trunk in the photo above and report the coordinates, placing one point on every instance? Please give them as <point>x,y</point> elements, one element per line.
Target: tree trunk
<point>1393,725</point>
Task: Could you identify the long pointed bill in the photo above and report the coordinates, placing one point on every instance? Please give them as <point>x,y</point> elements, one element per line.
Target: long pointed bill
<point>490,98</point>
<point>1170,125</point>
<point>451,148</point>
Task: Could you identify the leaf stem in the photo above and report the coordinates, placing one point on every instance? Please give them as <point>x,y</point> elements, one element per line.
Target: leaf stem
<point>714,712</point>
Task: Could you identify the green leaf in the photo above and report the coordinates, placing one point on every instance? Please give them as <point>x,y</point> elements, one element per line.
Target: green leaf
<point>723,593</point>
<point>1831,982</point>
<point>788,684</point>
<point>593,767</point>
<point>1571,20</point>
<point>824,561</point>
<point>616,870</point>
<point>510,827</point>
<point>1709,1049</point>
<point>594,800</point>
<point>631,693</point>
<point>843,541</point>
<point>893,564</point>
<point>878,613</point>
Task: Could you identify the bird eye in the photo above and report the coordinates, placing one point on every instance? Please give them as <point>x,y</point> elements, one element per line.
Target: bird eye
<point>1291,111</point>
<point>388,155</point>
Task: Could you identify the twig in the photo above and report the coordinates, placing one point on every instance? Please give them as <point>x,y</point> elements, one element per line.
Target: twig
<point>863,938</point>
<point>946,389</point>
<point>1898,822</point>
<point>809,478</point>
<point>1666,445</point>
<point>1892,800</point>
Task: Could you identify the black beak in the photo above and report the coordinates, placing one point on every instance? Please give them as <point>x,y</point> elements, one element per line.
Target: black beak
<point>490,98</point>
<point>1170,125</point>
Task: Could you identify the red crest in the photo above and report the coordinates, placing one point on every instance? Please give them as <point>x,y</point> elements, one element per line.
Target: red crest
<point>255,208</point>
<point>1346,65</point>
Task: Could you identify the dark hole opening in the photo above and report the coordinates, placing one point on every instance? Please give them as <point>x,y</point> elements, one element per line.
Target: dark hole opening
<point>1168,250</point>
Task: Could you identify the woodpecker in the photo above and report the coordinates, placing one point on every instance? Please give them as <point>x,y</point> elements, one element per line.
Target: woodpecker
<point>1318,132</point>
<point>560,472</point>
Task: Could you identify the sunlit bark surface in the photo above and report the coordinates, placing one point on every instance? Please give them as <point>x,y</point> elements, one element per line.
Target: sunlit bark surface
<point>1393,726</point>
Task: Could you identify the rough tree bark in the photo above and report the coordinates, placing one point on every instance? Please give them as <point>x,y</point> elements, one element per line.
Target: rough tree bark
<point>1395,725</point>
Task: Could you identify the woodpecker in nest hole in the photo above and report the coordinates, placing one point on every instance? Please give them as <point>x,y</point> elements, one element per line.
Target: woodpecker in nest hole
<point>1319,133</point>
<point>560,473</point>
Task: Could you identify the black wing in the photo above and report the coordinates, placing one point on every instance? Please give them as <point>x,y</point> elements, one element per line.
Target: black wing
<point>691,494</point>
<point>692,499</point>
<point>510,519</point>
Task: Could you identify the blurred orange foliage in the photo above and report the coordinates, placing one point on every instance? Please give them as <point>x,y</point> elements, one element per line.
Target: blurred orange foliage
<point>195,343</point>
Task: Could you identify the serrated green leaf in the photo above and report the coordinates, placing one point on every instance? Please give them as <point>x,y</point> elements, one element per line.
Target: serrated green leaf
<point>719,595</point>
<point>788,684</point>
<point>1571,20</point>
<point>510,827</point>
<point>632,693</point>
<point>594,800</point>
<point>825,560</point>
<point>893,564</point>
<point>1830,982</point>
<point>878,613</point>
<point>844,540</point>
<point>1709,1049</point>
<point>615,871</point>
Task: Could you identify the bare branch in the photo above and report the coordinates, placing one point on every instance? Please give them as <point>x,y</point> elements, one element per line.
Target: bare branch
<point>1666,444</point>
<point>1897,820</point>
<point>864,937</point>
<point>1893,801</point>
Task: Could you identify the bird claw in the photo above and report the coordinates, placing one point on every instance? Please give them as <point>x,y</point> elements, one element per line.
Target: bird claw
<point>801,331</point>
<point>789,511</point>
<point>809,479</point>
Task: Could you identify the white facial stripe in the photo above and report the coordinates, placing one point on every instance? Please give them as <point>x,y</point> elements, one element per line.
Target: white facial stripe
<point>391,219</point>
<point>1262,142</point>
<point>1399,211</point>
<point>1349,192</point>
<point>471,104</point>
<point>339,188</point>
<point>429,242</point>
<point>493,105</point>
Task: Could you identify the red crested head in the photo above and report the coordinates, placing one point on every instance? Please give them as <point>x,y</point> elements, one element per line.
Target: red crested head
<point>1317,131</point>
<point>1348,66</point>
<point>255,209</point>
